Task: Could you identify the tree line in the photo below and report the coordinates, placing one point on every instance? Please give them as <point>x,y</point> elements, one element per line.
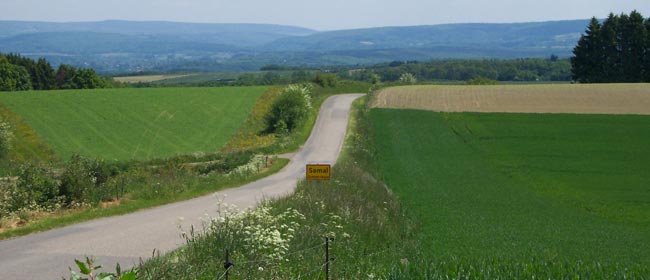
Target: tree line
<point>614,51</point>
<point>527,69</point>
<point>19,73</point>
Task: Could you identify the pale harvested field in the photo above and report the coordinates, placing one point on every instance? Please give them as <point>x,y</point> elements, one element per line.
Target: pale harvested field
<point>564,98</point>
<point>148,79</point>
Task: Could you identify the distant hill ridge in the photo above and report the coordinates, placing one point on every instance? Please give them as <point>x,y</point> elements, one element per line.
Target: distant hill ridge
<point>116,45</point>
<point>9,28</point>
<point>534,34</point>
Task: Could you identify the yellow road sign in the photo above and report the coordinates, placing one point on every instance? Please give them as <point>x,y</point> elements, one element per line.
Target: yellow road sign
<point>319,172</point>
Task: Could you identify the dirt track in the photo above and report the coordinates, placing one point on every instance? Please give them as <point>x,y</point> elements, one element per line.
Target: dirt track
<point>565,98</point>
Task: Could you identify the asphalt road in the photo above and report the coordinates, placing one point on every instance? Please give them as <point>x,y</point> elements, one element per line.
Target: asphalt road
<point>127,238</point>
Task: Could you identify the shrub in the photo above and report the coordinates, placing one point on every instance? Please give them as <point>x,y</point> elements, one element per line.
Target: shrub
<point>35,190</point>
<point>289,109</point>
<point>227,164</point>
<point>83,178</point>
<point>13,77</point>
<point>481,81</point>
<point>41,188</point>
<point>407,79</point>
<point>375,79</point>
<point>234,160</point>
<point>326,80</point>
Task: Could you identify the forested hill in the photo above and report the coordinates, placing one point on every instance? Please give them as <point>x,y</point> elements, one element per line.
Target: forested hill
<point>123,46</point>
<point>560,35</point>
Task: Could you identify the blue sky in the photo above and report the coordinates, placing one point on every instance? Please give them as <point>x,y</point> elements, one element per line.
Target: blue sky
<point>320,15</point>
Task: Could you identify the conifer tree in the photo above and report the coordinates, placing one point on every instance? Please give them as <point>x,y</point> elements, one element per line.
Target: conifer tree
<point>616,51</point>
<point>587,60</point>
<point>611,55</point>
<point>646,57</point>
<point>633,36</point>
<point>44,78</point>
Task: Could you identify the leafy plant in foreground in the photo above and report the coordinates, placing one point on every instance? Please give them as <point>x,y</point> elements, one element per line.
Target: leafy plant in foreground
<point>89,269</point>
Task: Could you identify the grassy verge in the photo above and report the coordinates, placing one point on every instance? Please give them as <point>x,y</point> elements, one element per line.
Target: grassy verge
<point>250,137</point>
<point>146,193</point>
<point>27,146</point>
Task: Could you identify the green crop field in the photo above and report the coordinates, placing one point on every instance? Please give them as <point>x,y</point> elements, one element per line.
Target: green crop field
<point>198,78</point>
<point>557,191</point>
<point>148,78</point>
<point>124,124</point>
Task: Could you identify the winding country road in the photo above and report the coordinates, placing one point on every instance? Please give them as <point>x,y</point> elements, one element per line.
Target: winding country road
<point>127,238</point>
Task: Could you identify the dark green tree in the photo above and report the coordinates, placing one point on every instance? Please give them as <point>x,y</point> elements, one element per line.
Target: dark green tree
<point>300,76</point>
<point>509,73</point>
<point>271,78</point>
<point>41,76</point>
<point>325,80</point>
<point>44,78</point>
<point>65,77</point>
<point>610,52</point>
<point>13,77</point>
<point>633,37</point>
<point>33,70</point>
<point>246,79</point>
<point>646,58</point>
<point>87,79</point>
<point>587,63</point>
<point>622,55</point>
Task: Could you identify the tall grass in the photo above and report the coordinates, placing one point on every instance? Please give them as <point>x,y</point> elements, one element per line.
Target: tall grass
<point>357,212</point>
<point>26,145</point>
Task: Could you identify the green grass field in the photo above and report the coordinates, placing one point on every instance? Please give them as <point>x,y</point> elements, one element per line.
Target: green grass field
<point>124,124</point>
<point>523,191</point>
